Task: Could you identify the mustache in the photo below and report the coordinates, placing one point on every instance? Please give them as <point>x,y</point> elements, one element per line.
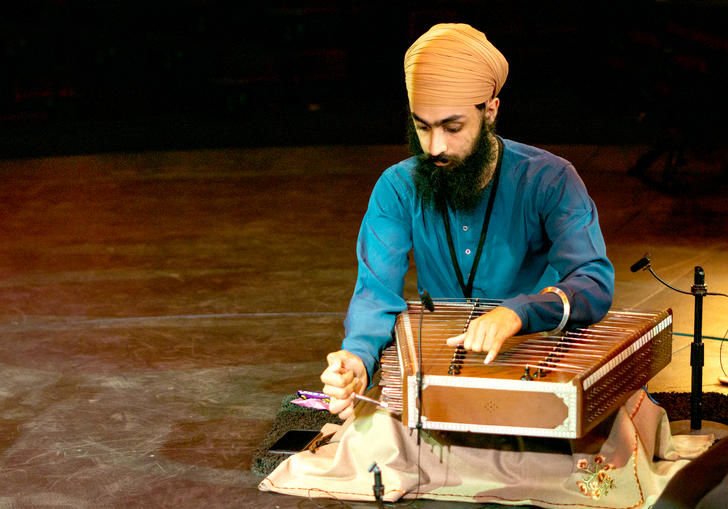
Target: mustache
<point>437,159</point>
<point>442,158</point>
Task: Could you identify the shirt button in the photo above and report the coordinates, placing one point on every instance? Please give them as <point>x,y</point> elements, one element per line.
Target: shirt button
<point>467,251</point>
<point>465,228</point>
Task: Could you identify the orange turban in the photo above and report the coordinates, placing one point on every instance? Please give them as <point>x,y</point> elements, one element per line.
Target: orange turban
<point>453,64</point>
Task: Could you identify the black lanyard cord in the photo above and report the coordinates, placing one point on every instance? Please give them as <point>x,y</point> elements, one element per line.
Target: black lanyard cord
<point>468,290</point>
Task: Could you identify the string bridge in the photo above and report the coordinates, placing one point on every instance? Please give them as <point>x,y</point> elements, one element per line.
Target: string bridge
<point>456,363</point>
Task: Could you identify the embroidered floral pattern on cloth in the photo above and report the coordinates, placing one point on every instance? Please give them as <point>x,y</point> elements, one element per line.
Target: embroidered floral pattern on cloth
<point>597,482</point>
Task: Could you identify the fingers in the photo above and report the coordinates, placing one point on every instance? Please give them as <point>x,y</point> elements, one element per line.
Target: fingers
<point>343,361</point>
<point>339,382</point>
<point>491,355</point>
<point>484,336</point>
<point>479,337</point>
<point>488,332</point>
<point>340,387</point>
<point>344,376</point>
<point>342,407</point>
<point>456,340</point>
<point>335,358</point>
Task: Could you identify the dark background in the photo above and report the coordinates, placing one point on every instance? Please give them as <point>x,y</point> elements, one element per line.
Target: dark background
<point>83,76</point>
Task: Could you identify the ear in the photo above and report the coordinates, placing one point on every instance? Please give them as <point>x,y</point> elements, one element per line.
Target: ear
<point>491,110</point>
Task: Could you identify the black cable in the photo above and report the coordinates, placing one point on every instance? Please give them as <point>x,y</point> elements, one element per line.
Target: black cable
<point>665,283</point>
<point>719,294</point>
<point>720,353</point>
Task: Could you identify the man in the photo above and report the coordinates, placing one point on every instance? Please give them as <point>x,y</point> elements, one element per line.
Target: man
<point>484,216</point>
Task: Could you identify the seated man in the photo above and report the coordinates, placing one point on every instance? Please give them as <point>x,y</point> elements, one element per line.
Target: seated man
<point>484,217</point>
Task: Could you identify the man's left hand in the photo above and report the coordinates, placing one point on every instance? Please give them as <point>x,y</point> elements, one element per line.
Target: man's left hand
<point>488,332</point>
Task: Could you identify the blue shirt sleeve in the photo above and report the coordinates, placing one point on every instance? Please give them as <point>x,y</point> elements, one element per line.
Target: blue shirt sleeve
<point>384,241</point>
<point>577,253</point>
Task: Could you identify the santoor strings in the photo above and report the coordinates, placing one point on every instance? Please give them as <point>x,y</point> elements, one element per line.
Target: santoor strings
<point>572,351</point>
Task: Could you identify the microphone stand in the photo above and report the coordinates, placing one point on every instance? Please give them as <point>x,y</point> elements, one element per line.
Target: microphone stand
<point>419,378</point>
<point>427,303</point>
<point>697,349</point>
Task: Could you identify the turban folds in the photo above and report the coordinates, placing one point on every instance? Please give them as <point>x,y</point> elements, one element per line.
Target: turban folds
<point>453,64</point>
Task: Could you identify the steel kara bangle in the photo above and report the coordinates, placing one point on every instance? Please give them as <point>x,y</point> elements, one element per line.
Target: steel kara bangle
<point>564,301</point>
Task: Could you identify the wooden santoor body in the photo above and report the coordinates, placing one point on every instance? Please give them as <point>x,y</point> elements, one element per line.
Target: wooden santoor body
<point>550,385</point>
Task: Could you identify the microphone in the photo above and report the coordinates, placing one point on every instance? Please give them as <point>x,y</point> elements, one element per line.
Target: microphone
<point>641,264</point>
<point>427,301</point>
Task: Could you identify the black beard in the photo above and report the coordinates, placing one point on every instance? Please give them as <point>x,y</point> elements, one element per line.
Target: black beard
<point>460,184</point>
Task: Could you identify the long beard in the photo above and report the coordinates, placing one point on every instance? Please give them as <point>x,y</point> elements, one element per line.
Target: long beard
<point>459,184</point>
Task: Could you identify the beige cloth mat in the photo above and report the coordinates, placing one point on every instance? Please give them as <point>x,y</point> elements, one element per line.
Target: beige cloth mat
<point>636,444</point>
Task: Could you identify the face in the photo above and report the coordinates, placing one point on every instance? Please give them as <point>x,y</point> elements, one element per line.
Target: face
<point>448,134</point>
<point>454,153</point>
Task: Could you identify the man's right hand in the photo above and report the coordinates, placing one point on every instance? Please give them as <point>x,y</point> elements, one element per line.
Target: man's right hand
<point>345,375</point>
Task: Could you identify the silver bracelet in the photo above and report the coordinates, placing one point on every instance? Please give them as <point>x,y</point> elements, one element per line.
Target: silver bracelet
<point>564,301</point>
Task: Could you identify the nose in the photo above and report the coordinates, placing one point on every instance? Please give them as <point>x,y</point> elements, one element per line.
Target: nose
<point>437,143</point>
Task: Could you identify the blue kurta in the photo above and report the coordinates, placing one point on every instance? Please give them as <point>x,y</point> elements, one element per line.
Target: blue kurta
<point>543,231</point>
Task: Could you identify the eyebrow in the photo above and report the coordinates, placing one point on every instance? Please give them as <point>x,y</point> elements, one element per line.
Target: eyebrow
<point>452,118</point>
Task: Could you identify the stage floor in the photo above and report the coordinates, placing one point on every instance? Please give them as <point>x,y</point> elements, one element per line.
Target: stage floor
<point>156,307</point>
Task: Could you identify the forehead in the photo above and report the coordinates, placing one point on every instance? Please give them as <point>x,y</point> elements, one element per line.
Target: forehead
<point>434,115</point>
